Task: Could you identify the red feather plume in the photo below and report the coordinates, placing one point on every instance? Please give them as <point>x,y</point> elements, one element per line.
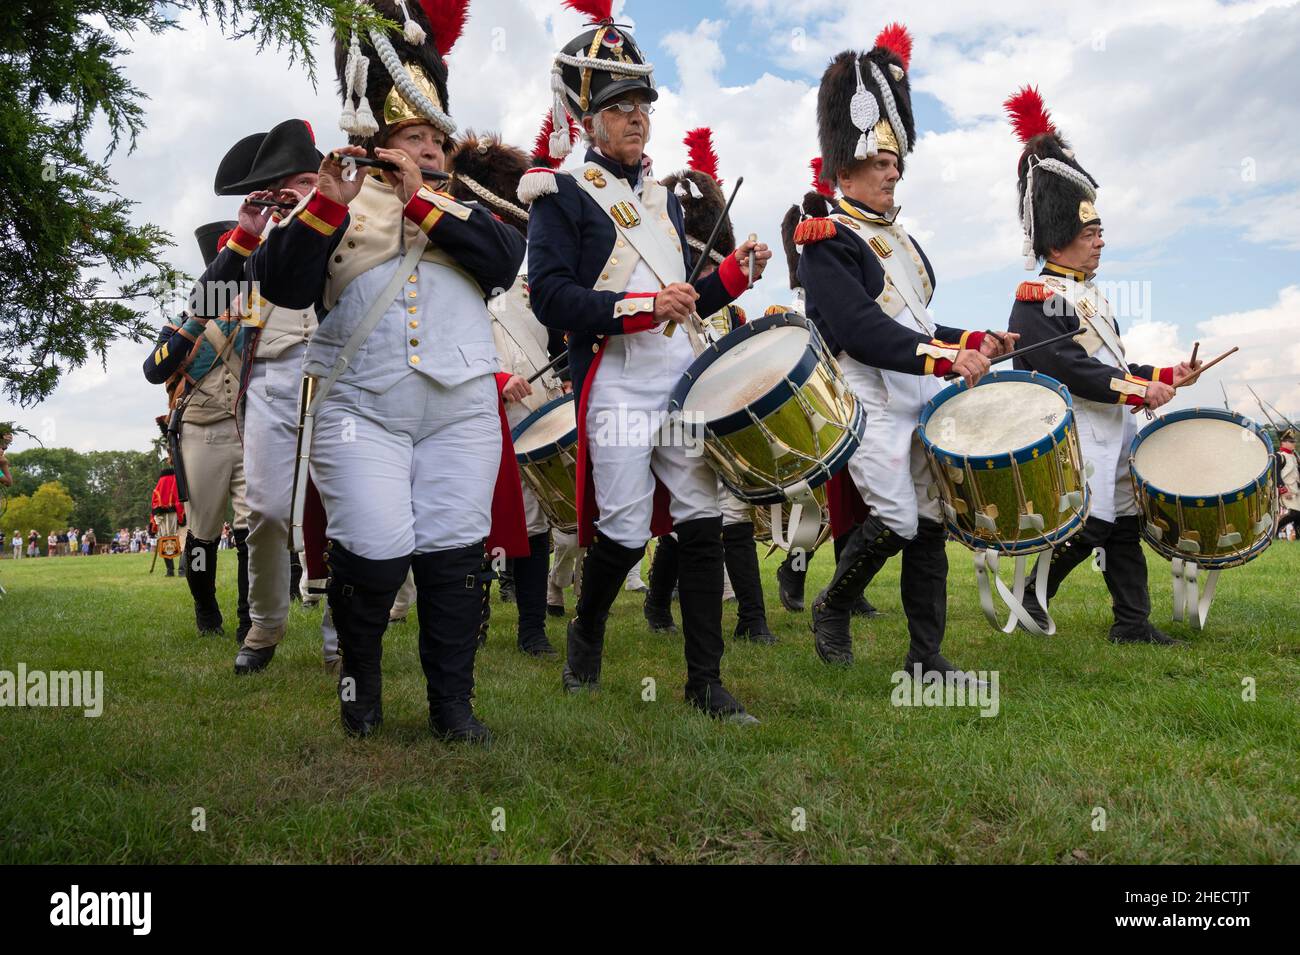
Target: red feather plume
<point>699,152</point>
<point>1029,117</point>
<point>825,189</point>
<point>596,10</point>
<point>542,144</point>
<point>446,21</point>
<point>898,41</point>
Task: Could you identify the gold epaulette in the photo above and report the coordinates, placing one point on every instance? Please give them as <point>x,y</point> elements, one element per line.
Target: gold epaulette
<point>813,230</point>
<point>1033,292</point>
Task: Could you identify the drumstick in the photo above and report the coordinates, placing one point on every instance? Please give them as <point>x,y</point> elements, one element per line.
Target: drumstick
<point>561,357</point>
<point>952,376</point>
<point>1196,346</point>
<point>753,237</point>
<point>1191,379</point>
<point>708,248</point>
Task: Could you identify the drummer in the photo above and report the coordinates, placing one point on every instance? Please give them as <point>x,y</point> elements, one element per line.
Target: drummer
<point>1064,231</point>
<point>868,286</point>
<point>607,261</point>
<point>700,194</point>
<point>488,171</point>
<point>1288,485</point>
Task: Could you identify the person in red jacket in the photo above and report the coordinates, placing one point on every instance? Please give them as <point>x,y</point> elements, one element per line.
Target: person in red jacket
<point>167,510</point>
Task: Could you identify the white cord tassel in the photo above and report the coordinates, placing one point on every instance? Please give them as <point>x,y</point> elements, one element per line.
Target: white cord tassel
<point>1027,218</point>
<point>365,125</point>
<point>873,145</point>
<point>413,32</point>
<point>861,151</point>
<point>695,190</point>
<point>560,144</point>
<point>348,118</point>
<point>680,190</point>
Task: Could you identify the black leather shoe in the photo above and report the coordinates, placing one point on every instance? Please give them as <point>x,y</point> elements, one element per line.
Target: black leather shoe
<point>456,723</point>
<point>252,660</point>
<point>1150,635</point>
<point>506,589</point>
<point>1035,611</point>
<point>832,637</point>
<point>758,632</point>
<point>361,722</point>
<point>242,632</point>
<point>715,701</point>
<point>536,645</point>
<point>572,680</point>
<point>862,607</point>
<point>790,584</point>
<point>659,618</point>
<point>555,610</point>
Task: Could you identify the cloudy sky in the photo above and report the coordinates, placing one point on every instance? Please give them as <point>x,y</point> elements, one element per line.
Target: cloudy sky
<point>1184,110</point>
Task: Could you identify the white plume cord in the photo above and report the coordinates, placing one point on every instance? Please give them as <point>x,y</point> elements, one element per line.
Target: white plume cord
<point>490,197</point>
<point>864,113</point>
<point>891,108</point>
<point>413,32</point>
<point>698,246</point>
<point>406,86</point>
<point>1065,171</point>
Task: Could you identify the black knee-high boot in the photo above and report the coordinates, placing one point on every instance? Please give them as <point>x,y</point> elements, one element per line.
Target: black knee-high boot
<point>861,606</point>
<point>741,559</point>
<point>1125,571</point>
<point>170,565</point>
<point>865,551</point>
<point>360,593</point>
<point>241,558</point>
<point>530,596</point>
<point>604,570</point>
<point>658,607</point>
<point>924,586</point>
<point>1094,533</point>
<point>201,574</point>
<point>450,587</point>
<point>791,574</point>
<point>699,587</point>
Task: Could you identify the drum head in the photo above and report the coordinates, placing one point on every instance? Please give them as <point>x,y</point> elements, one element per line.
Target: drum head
<point>741,375</point>
<point>997,417</point>
<point>1201,457</point>
<point>552,426</point>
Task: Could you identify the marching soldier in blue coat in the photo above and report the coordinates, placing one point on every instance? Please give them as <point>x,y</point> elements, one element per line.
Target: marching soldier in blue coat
<point>410,444</point>
<point>1063,230</point>
<point>868,287</point>
<point>607,260</point>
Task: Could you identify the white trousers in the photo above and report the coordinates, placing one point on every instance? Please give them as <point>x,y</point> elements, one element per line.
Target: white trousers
<point>889,467</point>
<point>734,510</point>
<point>566,567</point>
<point>411,470</point>
<point>629,447</point>
<point>214,468</point>
<point>270,447</point>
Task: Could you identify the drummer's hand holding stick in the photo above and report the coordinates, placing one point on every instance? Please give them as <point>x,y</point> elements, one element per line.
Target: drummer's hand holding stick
<point>970,365</point>
<point>675,303</point>
<point>997,344</point>
<point>332,183</point>
<point>516,389</point>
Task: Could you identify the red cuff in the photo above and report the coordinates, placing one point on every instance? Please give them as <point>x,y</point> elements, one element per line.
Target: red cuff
<point>972,340</point>
<point>422,212</point>
<point>323,214</point>
<point>503,378</point>
<point>1165,375</point>
<point>733,276</point>
<point>242,241</point>
<point>638,323</point>
<point>1134,401</point>
<point>942,367</point>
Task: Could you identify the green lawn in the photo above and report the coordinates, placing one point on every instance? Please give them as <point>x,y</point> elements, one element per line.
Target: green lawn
<point>1160,739</point>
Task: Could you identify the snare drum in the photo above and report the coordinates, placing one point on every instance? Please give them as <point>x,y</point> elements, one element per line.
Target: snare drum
<point>1006,461</point>
<point>1205,486</point>
<point>546,447</point>
<point>778,418</point>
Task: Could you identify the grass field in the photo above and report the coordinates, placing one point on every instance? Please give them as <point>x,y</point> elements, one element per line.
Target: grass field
<point>1161,740</point>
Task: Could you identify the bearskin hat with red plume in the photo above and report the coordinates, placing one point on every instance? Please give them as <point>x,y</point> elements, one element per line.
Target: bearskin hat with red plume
<point>487,170</point>
<point>1061,192</point>
<point>594,68</point>
<point>864,104</point>
<point>390,80</point>
<point>699,191</point>
<point>816,204</point>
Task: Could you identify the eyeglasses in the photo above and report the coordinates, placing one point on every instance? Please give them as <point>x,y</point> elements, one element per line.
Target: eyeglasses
<point>625,108</point>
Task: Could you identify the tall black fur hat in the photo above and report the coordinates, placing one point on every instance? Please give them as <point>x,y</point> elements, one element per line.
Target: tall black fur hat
<point>398,79</point>
<point>699,191</point>
<point>864,104</point>
<point>1063,192</point>
<point>488,171</point>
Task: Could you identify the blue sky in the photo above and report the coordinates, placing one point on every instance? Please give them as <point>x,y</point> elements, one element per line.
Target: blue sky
<point>1168,104</point>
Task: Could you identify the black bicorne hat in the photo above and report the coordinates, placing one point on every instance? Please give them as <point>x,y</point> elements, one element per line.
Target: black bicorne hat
<point>263,159</point>
<point>208,236</point>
